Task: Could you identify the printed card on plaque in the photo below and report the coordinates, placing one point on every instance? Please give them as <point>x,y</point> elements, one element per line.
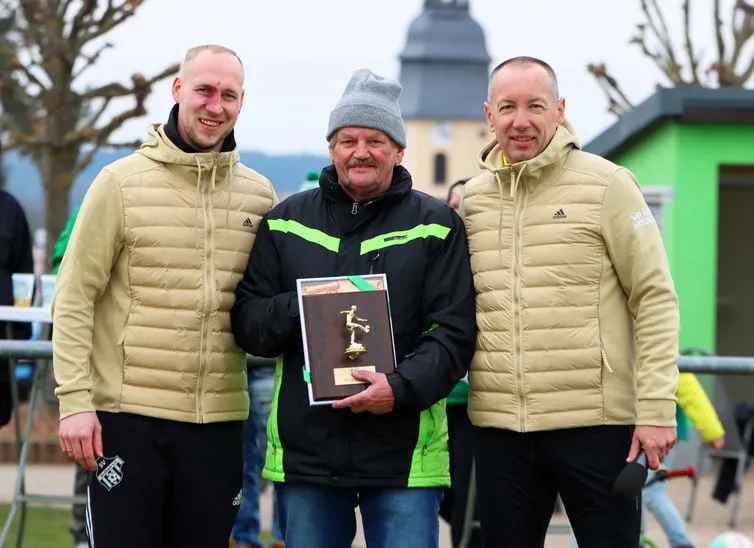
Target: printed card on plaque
<point>346,325</point>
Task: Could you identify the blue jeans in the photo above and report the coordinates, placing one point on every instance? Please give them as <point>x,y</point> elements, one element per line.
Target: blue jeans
<point>247,525</point>
<point>657,501</point>
<point>317,515</point>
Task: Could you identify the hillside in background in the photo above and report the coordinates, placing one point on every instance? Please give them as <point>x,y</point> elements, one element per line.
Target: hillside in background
<point>286,172</point>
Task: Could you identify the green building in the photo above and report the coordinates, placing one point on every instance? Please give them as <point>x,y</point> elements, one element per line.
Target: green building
<point>692,150</point>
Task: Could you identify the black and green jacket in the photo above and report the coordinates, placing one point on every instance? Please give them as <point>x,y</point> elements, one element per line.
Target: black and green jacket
<point>420,243</point>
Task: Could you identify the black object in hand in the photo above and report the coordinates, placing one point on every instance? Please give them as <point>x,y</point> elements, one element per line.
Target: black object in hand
<point>631,480</point>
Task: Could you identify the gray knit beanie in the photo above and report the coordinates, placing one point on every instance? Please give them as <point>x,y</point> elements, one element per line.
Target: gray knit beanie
<point>370,101</point>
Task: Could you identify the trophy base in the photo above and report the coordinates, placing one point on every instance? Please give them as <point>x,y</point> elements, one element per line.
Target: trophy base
<point>355,350</point>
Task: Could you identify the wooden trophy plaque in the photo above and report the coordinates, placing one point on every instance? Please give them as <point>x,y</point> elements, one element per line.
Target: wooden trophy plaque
<point>346,325</point>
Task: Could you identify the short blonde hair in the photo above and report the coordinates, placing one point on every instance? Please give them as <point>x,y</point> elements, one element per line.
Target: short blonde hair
<point>214,48</point>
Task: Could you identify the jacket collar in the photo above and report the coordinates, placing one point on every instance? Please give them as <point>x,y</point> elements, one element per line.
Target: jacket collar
<point>491,156</point>
<point>171,130</point>
<point>330,186</point>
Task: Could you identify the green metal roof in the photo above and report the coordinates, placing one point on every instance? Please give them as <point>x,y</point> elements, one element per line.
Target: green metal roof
<point>685,104</point>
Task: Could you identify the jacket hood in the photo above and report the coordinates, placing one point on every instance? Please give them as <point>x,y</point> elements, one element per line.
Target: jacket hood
<point>211,170</point>
<point>530,171</point>
<point>206,172</point>
<point>491,156</point>
<point>160,148</point>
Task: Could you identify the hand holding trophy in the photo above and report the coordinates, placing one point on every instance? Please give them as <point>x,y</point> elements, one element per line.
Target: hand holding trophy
<point>340,317</point>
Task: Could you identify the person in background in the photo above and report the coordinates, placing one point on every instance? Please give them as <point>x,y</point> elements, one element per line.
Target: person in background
<point>694,406</point>
<point>246,529</point>
<point>15,258</point>
<point>455,194</point>
<point>77,526</point>
<point>460,438</point>
<point>61,244</point>
<point>311,181</point>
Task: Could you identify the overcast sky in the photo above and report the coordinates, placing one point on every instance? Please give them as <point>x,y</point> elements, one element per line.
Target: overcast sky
<point>299,54</point>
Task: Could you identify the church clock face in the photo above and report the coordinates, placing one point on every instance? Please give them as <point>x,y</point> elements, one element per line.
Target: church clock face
<point>442,133</point>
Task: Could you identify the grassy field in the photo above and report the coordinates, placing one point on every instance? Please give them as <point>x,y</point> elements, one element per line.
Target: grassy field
<point>45,527</point>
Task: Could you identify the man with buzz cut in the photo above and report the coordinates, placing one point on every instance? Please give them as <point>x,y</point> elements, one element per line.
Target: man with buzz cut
<point>575,369</point>
<point>152,387</point>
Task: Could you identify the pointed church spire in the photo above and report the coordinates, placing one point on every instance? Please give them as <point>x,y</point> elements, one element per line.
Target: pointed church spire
<point>444,65</point>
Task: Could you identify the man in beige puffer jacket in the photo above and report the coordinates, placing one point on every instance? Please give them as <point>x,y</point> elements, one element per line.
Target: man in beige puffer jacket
<point>575,370</point>
<point>151,385</point>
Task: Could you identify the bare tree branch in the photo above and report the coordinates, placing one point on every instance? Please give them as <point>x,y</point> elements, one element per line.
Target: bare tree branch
<point>742,33</point>
<point>63,9</point>
<point>87,158</point>
<point>640,40</point>
<point>661,30</point>
<point>140,90</point>
<point>688,46</point>
<point>733,65</point>
<point>618,103</point>
<point>95,118</point>
<point>115,89</point>
<point>742,25</point>
<point>102,135</point>
<point>30,10</point>
<point>58,125</point>
<point>26,70</point>
<point>717,18</point>
<point>90,60</point>
<point>667,60</point>
<point>747,73</point>
<point>111,91</point>
<point>85,12</point>
<point>113,16</point>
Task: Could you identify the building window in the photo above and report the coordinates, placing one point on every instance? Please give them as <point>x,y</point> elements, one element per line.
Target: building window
<point>441,168</point>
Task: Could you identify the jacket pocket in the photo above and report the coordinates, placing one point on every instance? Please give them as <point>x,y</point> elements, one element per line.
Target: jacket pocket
<point>605,363</point>
<point>431,427</point>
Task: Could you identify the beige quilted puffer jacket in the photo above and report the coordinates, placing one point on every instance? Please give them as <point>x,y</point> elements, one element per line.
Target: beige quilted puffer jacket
<point>142,305</point>
<point>577,313</point>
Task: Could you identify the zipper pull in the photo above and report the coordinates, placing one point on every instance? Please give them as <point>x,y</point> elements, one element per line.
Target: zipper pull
<point>372,261</point>
<point>355,208</point>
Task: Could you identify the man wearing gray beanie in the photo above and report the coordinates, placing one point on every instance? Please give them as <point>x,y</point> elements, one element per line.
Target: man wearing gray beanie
<point>370,101</point>
<point>385,448</point>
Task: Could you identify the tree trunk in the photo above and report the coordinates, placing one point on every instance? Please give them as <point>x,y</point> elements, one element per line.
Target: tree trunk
<point>58,174</point>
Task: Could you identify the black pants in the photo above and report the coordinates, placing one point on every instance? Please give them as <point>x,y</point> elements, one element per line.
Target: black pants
<point>165,484</point>
<point>520,475</point>
<point>461,447</point>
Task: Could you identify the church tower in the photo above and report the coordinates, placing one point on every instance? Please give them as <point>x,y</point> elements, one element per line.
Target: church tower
<point>444,70</point>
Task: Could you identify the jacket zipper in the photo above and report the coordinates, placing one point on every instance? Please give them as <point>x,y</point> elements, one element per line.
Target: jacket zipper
<point>373,261</point>
<point>425,445</point>
<point>355,208</point>
<point>275,439</point>
<point>204,333</point>
<point>518,208</point>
